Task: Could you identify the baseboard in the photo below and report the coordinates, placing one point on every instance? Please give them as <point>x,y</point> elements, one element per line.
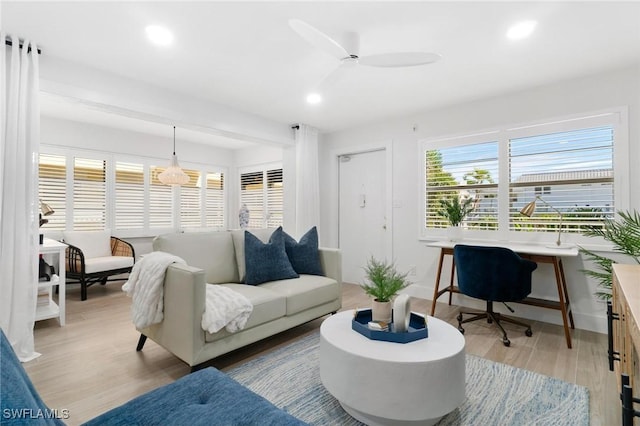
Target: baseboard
<point>582,321</point>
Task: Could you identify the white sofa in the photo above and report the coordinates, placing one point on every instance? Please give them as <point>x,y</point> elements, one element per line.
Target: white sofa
<point>218,258</point>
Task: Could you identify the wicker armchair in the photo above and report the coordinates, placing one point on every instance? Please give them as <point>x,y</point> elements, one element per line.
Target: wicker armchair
<point>88,266</point>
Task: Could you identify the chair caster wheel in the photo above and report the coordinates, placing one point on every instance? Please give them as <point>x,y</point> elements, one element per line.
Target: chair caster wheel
<point>506,342</point>
<point>529,333</point>
<point>459,317</point>
<point>461,330</point>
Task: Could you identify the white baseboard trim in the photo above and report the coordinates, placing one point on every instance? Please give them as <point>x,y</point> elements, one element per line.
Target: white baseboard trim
<point>582,321</point>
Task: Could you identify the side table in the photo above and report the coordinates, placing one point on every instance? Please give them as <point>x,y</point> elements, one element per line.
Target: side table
<point>53,309</point>
<point>386,383</point>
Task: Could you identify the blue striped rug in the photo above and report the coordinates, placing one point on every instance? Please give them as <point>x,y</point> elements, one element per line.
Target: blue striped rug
<point>497,394</point>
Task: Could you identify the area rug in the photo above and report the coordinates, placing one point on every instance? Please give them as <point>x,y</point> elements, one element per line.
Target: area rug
<point>497,394</point>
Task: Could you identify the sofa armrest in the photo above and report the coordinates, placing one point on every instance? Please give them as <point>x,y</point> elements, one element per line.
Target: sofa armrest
<point>180,332</point>
<point>331,260</point>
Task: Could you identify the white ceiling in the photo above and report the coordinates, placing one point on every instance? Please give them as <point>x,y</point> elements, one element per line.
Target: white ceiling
<point>244,55</point>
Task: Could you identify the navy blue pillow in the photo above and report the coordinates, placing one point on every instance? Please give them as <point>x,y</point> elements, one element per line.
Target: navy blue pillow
<point>304,255</point>
<point>266,262</point>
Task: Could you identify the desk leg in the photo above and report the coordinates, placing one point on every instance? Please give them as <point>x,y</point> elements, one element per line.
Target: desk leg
<point>566,293</point>
<point>557,267</point>
<point>436,286</point>
<point>453,270</point>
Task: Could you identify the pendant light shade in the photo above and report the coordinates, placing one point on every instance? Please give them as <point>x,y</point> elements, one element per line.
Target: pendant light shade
<point>173,175</point>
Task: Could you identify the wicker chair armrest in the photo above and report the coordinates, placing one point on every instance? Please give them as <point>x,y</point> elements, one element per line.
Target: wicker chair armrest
<point>121,248</point>
<point>74,259</point>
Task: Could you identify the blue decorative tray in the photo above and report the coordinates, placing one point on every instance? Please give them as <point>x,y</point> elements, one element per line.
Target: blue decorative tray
<point>417,328</point>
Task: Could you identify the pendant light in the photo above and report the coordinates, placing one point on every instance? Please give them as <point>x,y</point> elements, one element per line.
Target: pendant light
<point>173,175</point>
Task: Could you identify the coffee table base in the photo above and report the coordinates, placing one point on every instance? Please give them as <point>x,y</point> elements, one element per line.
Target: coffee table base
<point>371,420</point>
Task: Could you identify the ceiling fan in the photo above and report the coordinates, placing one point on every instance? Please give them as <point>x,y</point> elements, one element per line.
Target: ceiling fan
<point>348,53</point>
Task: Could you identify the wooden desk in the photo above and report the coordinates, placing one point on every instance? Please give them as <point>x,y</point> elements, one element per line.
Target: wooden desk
<point>536,253</point>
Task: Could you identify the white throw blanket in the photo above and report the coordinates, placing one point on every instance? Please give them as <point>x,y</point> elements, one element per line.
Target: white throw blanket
<point>145,286</point>
<point>225,307</point>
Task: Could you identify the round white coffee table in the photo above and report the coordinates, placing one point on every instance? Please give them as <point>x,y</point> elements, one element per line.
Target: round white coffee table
<point>386,383</point>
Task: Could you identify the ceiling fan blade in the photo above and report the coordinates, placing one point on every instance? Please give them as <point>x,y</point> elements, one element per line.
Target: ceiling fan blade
<point>400,59</point>
<point>318,39</point>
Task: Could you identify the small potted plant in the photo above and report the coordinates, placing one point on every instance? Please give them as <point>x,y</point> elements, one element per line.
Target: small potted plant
<point>384,283</point>
<point>455,209</point>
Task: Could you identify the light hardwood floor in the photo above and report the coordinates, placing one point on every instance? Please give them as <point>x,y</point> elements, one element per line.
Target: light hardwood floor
<point>91,365</point>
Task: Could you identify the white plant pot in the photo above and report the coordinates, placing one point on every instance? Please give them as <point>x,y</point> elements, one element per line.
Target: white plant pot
<point>454,233</point>
<point>381,311</point>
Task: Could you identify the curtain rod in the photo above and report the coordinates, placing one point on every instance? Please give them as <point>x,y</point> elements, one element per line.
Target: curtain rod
<point>10,43</point>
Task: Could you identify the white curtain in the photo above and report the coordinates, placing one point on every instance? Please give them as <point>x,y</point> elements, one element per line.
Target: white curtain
<point>307,179</point>
<point>20,133</point>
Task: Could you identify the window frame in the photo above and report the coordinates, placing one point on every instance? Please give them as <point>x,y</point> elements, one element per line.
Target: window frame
<point>616,117</point>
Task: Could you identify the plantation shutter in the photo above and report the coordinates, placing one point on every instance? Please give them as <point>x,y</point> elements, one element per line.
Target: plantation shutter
<point>467,171</point>
<point>190,201</point>
<point>214,200</point>
<point>52,187</point>
<point>252,194</point>
<point>89,194</point>
<point>275,195</point>
<point>570,170</point>
<point>129,196</point>
<point>160,201</point>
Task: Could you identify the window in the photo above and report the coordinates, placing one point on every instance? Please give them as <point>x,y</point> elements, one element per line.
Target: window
<point>160,202</point>
<point>572,171</point>
<point>190,207</point>
<point>566,165</point>
<point>89,194</point>
<point>467,171</point>
<point>214,200</point>
<point>202,200</point>
<point>262,192</point>
<point>98,191</point>
<point>129,196</point>
<point>53,187</point>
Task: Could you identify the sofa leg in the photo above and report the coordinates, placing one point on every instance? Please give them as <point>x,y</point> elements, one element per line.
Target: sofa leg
<point>141,342</point>
<point>198,367</point>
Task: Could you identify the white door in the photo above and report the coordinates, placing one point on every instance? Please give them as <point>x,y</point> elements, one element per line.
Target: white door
<point>363,203</point>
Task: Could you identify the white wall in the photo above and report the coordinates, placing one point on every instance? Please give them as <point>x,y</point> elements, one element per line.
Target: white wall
<point>592,93</point>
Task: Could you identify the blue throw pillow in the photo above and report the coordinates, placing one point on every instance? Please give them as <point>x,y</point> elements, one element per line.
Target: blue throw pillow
<point>304,255</point>
<point>266,262</point>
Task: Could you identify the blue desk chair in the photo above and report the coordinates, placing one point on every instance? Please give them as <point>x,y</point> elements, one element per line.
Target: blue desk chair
<point>493,274</point>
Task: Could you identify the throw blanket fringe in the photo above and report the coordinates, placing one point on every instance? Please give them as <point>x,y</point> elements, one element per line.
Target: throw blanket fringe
<point>145,286</point>
<point>225,307</point>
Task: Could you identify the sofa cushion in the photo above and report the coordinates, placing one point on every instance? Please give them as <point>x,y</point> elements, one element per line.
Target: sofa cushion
<point>18,393</point>
<point>305,292</point>
<point>267,306</point>
<point>205,397</point>
<point>92,243</point>
<point>107,263</point>
<point>238,242</point>
<point>266,261</point>
<point>211,251</point>
<point>304,255</point>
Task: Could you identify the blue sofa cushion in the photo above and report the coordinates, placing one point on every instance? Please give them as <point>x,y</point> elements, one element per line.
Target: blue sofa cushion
<point>20,403</point>
<point>303,254</point>
<point>206,397</point>
<point>266,262</point>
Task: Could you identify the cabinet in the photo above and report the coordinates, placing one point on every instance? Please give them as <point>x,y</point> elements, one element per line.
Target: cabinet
<point>624,339</point>
<point>46,307</point>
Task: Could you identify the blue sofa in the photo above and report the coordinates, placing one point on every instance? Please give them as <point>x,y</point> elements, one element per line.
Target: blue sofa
<point>202,398</point>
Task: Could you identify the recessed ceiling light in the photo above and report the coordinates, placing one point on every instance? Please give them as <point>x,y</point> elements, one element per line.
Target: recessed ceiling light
<point>314,98</point>
<point>159,35</point>
<point>521,30</point>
